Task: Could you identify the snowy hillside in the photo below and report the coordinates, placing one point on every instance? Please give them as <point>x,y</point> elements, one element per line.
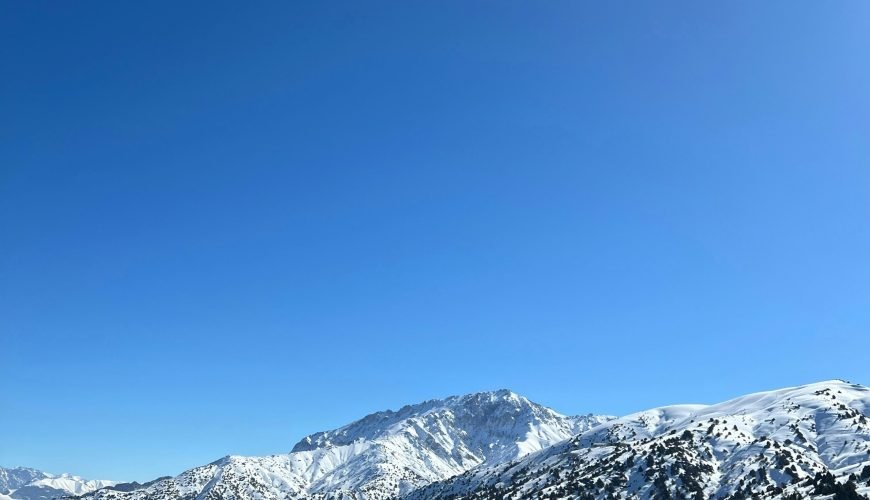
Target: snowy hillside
<point>12,479</point>
<point>30,484</point>
<point>382,455</point>
<point>73,485</point>
<point>803,441</point>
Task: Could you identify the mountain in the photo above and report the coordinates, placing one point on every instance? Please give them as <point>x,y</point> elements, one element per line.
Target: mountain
<point>807,441</point>
<point>23,483</point>
<point>134,485</point>
<point>12,479</point>
<point>381,456</point>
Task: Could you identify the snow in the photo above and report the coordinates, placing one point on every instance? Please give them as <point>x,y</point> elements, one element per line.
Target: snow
<point>12,479</point>
<point>23,480</point>
<point>74,485</point>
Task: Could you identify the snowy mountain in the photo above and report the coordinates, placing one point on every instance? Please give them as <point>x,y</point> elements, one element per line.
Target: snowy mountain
<point>30,484</point>
<point>383,455</point>
<point>12,479</point>
<point>809,441</point>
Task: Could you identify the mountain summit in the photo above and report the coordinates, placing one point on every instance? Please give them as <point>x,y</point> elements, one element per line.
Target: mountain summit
<point>505,424</point>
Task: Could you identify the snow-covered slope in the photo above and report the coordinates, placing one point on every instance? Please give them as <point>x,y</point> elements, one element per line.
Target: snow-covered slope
<point>73,485</point>
<point>14,478</point>
<point>30,484</point>
<point>382,455</point>
<point>765,445</point>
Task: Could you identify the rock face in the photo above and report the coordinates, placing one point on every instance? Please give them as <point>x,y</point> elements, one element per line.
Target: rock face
<point>384,455</point>
<point>805,441</point>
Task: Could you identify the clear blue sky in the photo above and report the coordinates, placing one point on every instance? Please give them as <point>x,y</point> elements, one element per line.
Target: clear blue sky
<point>226,225</point>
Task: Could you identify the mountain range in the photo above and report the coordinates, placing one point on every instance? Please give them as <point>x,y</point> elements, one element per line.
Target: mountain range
<point>24,483</point>
<point>811,441</point>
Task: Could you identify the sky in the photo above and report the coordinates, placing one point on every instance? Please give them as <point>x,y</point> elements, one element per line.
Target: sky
<point>226,225</point>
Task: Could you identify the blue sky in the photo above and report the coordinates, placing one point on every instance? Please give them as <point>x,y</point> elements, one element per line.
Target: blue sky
<point>225,226</point>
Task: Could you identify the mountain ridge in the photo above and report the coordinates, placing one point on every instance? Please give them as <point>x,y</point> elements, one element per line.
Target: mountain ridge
<point>807,441</point>
<point>25,483</point>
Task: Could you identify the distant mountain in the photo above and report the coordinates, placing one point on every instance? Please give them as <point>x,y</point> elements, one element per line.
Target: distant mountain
<point>12,479</point>
<point>808,441</point>
<point>127,487</point>
<point>30,484</point>
<point>383,455</point>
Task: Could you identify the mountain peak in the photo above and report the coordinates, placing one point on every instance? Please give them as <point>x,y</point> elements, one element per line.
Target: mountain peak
<point>466,407</point>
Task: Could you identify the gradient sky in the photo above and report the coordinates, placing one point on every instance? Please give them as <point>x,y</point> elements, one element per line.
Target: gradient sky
<point>227,225</point>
